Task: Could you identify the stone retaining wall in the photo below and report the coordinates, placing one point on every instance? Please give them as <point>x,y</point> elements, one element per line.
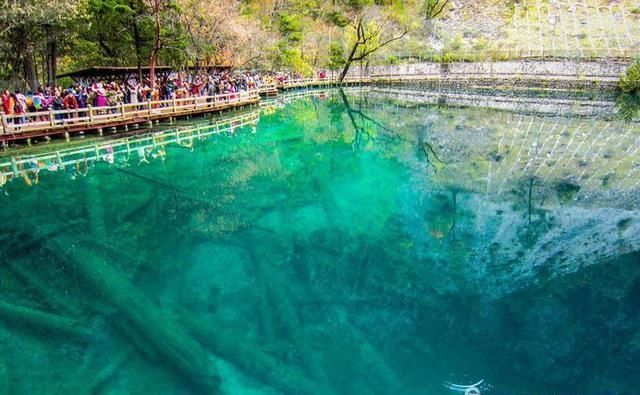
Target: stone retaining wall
<point>597,72</point>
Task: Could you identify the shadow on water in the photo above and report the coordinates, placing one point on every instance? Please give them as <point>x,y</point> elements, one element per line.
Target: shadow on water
<point>352,242</point>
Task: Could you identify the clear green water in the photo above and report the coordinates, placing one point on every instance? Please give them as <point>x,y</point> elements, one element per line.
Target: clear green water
<point>356,244</point>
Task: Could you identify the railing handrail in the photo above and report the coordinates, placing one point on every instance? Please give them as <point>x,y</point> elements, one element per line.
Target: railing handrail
<point>17,123</point>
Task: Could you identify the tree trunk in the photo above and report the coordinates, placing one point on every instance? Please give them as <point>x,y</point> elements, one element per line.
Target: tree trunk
<point>137,43</point>
<point>30,70</point>
<point>157,44</point>
<point>52,57</point>
<point>345,70</point>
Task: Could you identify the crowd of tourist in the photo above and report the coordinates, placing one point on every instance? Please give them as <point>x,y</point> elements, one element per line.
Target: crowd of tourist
<point>99,93</point>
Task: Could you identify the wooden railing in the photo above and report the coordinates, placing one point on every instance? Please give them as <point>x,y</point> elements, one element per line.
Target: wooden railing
<point>95,116</point>
<point>308,82</point>
<point>268,88</point>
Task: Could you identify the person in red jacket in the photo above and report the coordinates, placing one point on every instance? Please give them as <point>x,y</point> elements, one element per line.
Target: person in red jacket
<point>7,105</point>
<point>70,102</point>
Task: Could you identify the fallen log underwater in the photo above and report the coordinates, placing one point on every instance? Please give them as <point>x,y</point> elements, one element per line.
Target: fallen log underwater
<point>45,291</point>
<point>180,340</point>
<point>167,337</point>
<point>102,378</point>
<point>281,301</point>
<point>43,321</point>
<point>4,374</point>
<point>147,331</point>
<point>150,324</point>
<point>250,359</point>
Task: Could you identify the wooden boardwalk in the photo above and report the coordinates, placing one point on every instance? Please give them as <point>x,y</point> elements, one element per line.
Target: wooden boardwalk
<point>66,122</point>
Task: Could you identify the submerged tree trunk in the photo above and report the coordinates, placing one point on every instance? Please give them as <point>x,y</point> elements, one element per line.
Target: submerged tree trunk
<point>169,339</point>
<point>43,321</point>
<point>4,374</point>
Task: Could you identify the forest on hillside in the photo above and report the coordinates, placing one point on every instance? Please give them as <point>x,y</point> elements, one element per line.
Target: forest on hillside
<point>41,39</point>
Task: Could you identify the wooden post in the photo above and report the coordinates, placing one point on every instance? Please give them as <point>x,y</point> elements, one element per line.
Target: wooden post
<point>52,118</point>
<point>175,105</point>
<point>67,137</point>
<point>122,110</point>
<point>149,107</point>
<point>90,114</point>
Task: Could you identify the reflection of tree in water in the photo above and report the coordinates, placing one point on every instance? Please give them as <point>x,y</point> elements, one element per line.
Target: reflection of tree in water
<point>359,121</point>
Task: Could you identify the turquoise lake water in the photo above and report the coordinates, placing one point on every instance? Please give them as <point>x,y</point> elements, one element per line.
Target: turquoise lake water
<point>352,242</point>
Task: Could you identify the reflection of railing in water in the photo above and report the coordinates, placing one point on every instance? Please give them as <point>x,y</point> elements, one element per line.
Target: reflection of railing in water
<point>290,95</point>
<point>19,166</point>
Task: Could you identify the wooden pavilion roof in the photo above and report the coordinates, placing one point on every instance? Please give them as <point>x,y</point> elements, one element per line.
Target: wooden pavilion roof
<point>113,73</point>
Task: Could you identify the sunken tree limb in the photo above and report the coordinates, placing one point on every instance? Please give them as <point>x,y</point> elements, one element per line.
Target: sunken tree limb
<point>168,338</point>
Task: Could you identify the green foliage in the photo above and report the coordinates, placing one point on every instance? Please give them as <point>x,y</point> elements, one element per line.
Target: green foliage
<point>448,58</point>
<point>392,60</point>
<point>357,4</point>
<point>337,18</point>
<point>336,56</point>
<point>630,82</point>
<point>480,44</point>
<point>433,8</point>
<point>456,43</point>
<point>288,57</point>
<point>628,106</point>
<point>290,26</point>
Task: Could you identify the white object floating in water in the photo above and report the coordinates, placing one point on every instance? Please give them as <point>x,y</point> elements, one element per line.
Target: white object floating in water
<point>471,389</point>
